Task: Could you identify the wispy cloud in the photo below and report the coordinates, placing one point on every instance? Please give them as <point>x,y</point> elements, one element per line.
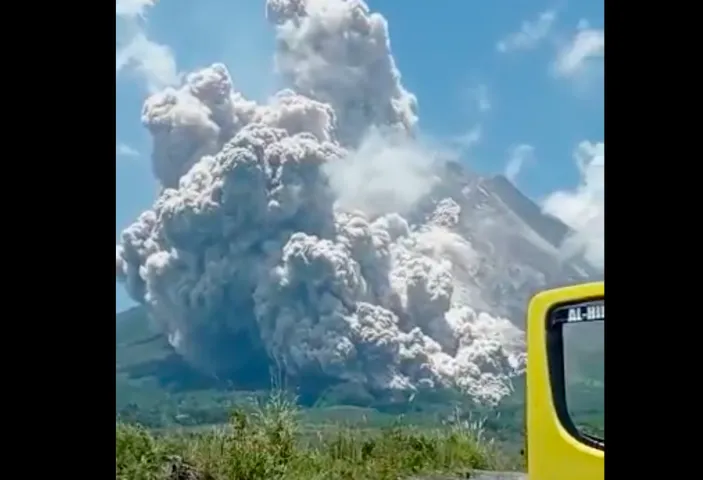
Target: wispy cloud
<point>124,150</point>
<point>153,62</point>
<point>467,140</point>
<point>132,8</point>
<point>586,46</point>
<point>583,208</point>
<point>519,156</point>
<point>481,97</point>
<point>531,33</point>
<point>457,146</point>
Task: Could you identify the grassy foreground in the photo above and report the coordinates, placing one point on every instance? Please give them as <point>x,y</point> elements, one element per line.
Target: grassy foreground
<point>268,442</point>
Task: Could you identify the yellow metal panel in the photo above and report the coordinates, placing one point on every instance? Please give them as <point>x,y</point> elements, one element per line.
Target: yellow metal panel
<point>553,453</point>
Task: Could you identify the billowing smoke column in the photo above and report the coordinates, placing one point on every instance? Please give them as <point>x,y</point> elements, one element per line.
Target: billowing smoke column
<point>339,53</point>
<point>249,252</point>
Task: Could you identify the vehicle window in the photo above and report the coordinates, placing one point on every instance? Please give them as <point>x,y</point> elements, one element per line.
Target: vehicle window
<point>584,376</point>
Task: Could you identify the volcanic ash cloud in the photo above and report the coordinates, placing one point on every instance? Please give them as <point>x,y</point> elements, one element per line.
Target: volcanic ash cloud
<point>256,243</point>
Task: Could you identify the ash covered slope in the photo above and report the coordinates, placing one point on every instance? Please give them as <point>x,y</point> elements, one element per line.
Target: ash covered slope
<point>316,234</point>
<point>515,248</point>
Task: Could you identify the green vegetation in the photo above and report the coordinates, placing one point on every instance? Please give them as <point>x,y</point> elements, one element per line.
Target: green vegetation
<point>173,422</point>
<point>268,441</point>
<point>157,389</point>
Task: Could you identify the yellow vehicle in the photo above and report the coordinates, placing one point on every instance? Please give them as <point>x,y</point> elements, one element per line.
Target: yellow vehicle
<point>565,384</point>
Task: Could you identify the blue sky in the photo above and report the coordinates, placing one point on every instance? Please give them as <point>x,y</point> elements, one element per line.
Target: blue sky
<point>521,81</point>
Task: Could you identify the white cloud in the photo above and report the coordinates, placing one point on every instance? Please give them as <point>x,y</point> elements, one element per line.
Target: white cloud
<point>530,34</point>
<point>586,46</point>
<point>124,150</point>
<point>583,209</point>
<point>518,157</point>
<point>132,8</point>
<point>454,147</point>
<point>467,140</point>
<point>383,175</point>
<point>153,62</point>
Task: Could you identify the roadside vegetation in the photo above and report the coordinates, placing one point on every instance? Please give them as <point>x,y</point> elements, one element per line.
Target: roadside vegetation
<point>269,442</point>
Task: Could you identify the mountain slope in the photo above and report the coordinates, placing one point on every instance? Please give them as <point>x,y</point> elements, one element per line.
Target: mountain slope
<point>515,247</point>
<point>147,369</point>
